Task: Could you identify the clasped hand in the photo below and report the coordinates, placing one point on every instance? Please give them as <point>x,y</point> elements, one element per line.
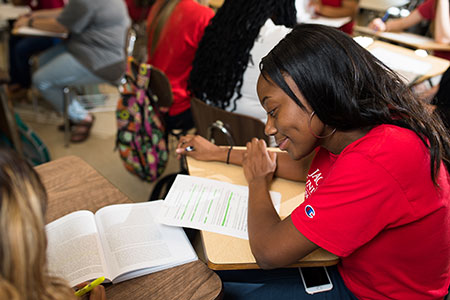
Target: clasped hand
<point>258,163</point>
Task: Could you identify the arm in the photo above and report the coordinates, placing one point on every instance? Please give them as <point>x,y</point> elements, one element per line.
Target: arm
<point>204,150</point>
<point>44,21</point>
<point>349,8</point>
<point>265,228</point>
<point>442,24</point>
<point>398,24</point>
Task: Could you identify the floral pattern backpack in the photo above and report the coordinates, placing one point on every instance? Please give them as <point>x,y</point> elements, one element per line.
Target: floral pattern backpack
<point>141,139</point>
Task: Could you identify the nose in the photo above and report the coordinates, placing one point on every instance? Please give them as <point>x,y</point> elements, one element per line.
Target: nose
<point>269,129</point>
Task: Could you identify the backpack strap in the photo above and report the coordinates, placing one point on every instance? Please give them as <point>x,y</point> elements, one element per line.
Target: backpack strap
<point>160,21</point>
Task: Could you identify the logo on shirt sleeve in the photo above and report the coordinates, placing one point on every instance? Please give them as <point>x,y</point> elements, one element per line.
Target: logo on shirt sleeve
<point>309,210</point>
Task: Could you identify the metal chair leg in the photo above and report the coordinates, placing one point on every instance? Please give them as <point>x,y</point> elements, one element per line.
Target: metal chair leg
<point>66,92</point>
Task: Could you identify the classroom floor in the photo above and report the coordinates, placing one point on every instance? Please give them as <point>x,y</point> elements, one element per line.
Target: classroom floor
<point>98,150</point>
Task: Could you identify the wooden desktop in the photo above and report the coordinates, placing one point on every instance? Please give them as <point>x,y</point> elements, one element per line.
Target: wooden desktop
<point>74,185</point>
<point>229,253</point>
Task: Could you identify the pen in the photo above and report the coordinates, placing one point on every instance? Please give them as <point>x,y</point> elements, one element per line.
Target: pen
<point>385,17</point>
<point>89,286</point>
<point>189,148</point>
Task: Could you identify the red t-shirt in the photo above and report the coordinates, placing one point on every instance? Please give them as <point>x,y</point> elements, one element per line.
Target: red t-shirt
<point>428,11</point>
<point>376,207</point>
<point>45,4</point>
<point>177,45</point>
<point>136,13</point>
<point>347,28</point>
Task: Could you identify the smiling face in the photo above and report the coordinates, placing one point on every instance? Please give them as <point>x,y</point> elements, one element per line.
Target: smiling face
<point>287,121</point>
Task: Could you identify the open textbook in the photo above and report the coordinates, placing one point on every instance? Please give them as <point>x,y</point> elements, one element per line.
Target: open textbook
<point>119,242</point>
<point>210,205</point>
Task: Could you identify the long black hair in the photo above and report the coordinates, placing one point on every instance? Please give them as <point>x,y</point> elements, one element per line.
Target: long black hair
<point>349,88</point>
<point>224,51</point>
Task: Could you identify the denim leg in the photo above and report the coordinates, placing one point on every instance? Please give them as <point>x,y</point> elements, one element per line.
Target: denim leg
<point>59,69</point>
<point>20,55</point>
<point>278,284</point>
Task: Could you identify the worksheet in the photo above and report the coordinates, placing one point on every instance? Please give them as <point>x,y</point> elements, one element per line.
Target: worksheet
<point>210,205</point>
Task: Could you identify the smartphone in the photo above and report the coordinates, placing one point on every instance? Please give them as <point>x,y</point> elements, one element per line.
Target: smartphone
<point>315,279</point>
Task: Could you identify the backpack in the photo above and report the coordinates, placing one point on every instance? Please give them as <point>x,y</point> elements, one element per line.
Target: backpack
<point>141,139</point>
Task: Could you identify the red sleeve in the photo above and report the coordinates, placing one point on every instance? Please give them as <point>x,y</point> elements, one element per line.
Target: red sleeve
<point>427,9</point>
<point>365,200</point>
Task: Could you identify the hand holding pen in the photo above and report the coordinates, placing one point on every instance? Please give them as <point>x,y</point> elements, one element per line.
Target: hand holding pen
<point>379,24</point>
<point>97,291</point>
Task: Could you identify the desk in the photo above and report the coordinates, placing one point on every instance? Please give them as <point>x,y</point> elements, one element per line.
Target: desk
<point>405,38</point>
<point>74,185</point>
<point>437,65</point>
<point>381,5</point>
<point>229,253</point>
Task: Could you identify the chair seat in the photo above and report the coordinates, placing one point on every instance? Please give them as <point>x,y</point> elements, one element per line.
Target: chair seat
<point>4,77</point>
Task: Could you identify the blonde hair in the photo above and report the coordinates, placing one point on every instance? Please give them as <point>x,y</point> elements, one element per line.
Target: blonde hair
<point>23,243</point>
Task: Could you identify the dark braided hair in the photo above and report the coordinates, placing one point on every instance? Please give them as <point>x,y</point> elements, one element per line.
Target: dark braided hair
<point>224,51</point>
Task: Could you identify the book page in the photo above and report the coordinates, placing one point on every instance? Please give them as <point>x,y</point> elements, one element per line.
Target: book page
<point>74,251</point>
<point>407,67</point>
<point>135,245</point>
<point>210,205</point>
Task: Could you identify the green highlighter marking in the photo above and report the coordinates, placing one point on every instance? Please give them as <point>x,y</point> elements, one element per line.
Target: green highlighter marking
<point>187,204</point>
<point>226,211</point>
<point>209,207</point>
<point>196,205</point>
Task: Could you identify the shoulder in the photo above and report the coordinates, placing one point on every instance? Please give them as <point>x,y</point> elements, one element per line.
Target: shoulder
<point>427,9</point>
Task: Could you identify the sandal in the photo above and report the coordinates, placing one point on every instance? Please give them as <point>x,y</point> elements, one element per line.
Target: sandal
<point>81,131</point>
<point>71,124</point>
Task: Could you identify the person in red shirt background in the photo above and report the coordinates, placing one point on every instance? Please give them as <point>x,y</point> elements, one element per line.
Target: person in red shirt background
<point>337,9</point>
<point>377,191</point>
<point>436,11</point>
<point>175,28</point>
<point>22,48</point>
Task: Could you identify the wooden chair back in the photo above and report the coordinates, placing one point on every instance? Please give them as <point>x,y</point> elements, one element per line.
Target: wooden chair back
<point>232,128</point>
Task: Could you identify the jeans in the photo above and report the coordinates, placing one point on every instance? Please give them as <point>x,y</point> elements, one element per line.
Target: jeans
<point>278,284</point>
<point>58,68</point>
<point>20,51</point>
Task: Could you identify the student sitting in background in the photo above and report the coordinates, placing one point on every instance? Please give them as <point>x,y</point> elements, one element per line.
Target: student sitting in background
<point>225,68</point>
<point>377,192</point>
<point>23,263</point>
<point>175,28</point>
<point>437,11</point>
<point>93,53</point>
<point>22,48</point>
<point>337,9</point>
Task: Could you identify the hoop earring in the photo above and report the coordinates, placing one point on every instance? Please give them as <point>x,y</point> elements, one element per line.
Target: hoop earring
<point>318,136</point>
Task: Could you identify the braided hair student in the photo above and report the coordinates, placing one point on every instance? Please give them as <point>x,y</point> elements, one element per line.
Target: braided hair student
<point>225,67</point>
<point>378,188</point>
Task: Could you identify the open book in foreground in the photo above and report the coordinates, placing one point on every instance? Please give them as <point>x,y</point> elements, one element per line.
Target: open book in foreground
<point>119,242</point>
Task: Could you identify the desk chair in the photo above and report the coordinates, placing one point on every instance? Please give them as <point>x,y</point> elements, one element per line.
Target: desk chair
<point>68,90</point>
<point>223,127</point>
<point>161,88</point>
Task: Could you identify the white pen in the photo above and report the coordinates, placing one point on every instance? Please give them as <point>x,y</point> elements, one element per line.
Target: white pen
<point>189,148</point>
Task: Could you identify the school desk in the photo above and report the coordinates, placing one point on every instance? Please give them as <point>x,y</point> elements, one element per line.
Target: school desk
<point>73,185</point>
<point>224,252</point>
<point>405,38</point>
<point>412,62</point>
